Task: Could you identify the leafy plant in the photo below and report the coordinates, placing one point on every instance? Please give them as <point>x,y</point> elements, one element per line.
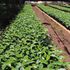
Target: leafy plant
<point>26,45</point>
<point>60,8</point>
<point>61,16</point>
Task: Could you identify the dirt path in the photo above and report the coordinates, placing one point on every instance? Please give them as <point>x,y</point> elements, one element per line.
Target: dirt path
<point>58,37</point>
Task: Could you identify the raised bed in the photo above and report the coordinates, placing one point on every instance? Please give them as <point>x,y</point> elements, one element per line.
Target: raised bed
<point>60,8</point>
<point>27,46</point>
<point>60,16</point>
<point>67,6</point>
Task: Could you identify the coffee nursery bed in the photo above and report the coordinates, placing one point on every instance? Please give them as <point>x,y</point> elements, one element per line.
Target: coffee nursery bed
<point>26,44</point>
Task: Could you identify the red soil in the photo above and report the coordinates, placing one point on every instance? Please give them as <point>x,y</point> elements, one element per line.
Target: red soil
<point>58,33</point>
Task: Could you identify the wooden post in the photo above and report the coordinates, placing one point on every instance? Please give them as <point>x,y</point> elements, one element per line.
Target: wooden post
<point>45,3</point>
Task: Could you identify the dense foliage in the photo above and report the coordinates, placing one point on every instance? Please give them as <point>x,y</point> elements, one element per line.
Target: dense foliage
<point>60,8</point>
<point>61,16</point>
<point>12,1</point>
<point>26,45</point>
<point>8,7</point>
<point>67,6</point>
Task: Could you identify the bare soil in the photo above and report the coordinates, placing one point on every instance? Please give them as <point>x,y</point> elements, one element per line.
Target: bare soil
<point>58,33</point>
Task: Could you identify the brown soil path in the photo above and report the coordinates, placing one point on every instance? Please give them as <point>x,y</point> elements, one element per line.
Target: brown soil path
<point>55,32</point>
